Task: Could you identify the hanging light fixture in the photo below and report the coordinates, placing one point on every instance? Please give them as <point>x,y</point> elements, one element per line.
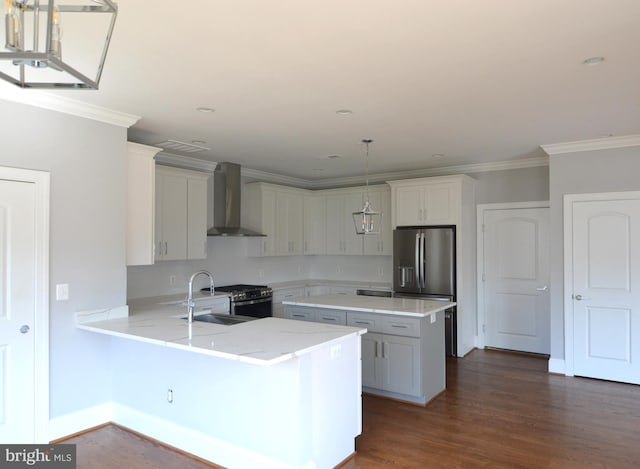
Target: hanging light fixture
<point>31,53</point>
<point>367,221</point>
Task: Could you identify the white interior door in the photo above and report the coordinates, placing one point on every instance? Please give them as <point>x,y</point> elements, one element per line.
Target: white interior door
<point>606,289</point>
<point>516,279</point>
<point>17,311</point>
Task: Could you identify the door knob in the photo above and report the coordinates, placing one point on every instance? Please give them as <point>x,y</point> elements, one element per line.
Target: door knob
<point>24,329</point>
<point>545,288</point>
<point>579,297</point>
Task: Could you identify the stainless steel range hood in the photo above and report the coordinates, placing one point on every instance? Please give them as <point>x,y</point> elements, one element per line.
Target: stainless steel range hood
<point>226,202</point>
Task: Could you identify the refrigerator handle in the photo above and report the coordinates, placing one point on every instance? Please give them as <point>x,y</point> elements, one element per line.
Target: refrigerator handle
<point>417,259</point>
<point>424,260</point>
<point>422,253</point>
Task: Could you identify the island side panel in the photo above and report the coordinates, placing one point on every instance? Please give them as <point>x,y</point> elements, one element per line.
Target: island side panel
<point>433,356</point>
<point>336,401</point>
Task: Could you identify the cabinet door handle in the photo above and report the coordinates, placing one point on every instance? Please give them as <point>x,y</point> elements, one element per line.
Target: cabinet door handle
<point>328,318</point>
<point>165,248</point>
<point>378,345</point>
<point>365,323</point>
<point>384,350</point>
<point>297,315</point>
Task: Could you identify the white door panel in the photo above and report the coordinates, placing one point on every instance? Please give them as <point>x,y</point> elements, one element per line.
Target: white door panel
<point>17,311</point>
<point>606,289</point>
<point>516,278</point>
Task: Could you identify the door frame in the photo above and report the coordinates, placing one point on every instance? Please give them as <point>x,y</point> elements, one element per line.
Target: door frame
<point>41,181</point>
<point>481,209</point>
<point>567,290</point>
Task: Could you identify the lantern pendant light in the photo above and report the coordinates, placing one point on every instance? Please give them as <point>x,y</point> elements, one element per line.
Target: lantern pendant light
<point>367,221</point>
<point>31,52</point>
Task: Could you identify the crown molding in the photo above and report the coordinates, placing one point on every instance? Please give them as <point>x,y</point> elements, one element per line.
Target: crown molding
<point>276,178</point>
<point>444,171</point>
<point>65,105</point>
<point>606,143</point>
<point>381,178</point>
<point>185,162</point>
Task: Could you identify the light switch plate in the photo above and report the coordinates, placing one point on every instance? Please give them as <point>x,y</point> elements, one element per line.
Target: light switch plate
<point>62,291</point>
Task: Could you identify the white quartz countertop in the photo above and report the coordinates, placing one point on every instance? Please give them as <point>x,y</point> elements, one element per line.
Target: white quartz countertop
<point>372,304</point>
<point>262,342</point>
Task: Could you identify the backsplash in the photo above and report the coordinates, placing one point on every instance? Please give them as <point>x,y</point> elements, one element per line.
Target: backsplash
<point>229,263</point>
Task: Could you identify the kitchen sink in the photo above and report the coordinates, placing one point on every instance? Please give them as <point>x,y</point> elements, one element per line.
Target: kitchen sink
<point>224,319</point>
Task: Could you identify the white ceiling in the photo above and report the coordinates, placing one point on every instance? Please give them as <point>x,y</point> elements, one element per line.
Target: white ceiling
<point>477,81</point>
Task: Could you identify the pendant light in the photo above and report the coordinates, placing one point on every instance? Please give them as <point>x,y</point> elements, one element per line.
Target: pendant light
<point>31,37</point>
<point>367,221</point>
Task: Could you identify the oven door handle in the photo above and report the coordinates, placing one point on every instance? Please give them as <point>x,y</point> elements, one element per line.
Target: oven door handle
<point>251,302</point>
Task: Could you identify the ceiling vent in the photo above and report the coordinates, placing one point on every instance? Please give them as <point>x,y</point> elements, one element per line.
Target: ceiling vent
<point>175,145</point>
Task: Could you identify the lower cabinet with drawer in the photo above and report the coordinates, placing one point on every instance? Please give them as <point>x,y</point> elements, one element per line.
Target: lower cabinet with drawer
<point>402,357</point>
<point>329,316</point>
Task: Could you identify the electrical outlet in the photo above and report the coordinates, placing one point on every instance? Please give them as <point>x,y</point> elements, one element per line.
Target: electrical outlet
<point>172,280</point>
<point>380,272</point>
<point>170,396</point>
<point>261,273</point>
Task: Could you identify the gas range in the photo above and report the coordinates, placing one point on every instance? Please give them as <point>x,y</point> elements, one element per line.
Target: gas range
<point>242,292</point>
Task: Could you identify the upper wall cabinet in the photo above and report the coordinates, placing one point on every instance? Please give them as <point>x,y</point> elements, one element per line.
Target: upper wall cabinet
<point>380,244</point>
<point>277,212</point>
<point>141,177</point>
<point>341,237</point>
<point>181,214</point>
<point>427,201</point>
<point>305,222</point>
<point>341,234</point>
<point>314,242</point>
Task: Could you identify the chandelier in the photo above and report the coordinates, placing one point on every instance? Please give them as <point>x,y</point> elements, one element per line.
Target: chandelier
<point>367,221</point>
<point>31,42</point>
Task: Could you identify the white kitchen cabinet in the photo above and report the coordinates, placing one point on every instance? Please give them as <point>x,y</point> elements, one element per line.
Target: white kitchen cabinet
<point>181,214</point>
<point>314,224</point>
<point>289,223</point>
<point>262,217</point>
<point>426,201</point>
<point>380,244</point>
<point>341,237</point>
<point>197,217</point>
<point>141,187</point>
<point>276,211</point>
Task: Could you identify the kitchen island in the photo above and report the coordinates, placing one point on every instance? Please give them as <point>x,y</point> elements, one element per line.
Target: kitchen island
<point>403,354</point>
<point>263,393</point>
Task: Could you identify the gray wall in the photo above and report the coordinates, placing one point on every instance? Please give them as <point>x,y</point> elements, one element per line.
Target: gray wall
<point>512,185</point>
<point>87,163</point>
<point>576,173</point>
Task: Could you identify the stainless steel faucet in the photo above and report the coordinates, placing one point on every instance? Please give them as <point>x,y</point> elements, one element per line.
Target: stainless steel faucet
<point>190,302</point>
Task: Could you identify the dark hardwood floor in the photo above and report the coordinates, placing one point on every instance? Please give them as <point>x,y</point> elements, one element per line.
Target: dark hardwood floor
<point>500,410</point>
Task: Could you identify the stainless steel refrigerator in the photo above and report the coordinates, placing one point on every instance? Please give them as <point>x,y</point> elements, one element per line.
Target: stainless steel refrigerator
<point>424,266</point>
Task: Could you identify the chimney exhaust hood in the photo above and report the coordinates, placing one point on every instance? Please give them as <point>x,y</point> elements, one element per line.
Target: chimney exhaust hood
<point>226,202</point>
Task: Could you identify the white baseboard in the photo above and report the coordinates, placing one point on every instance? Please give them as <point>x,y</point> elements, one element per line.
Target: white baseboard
<point>557,365</point>
<point>193,442</point>
<point>81,420</point>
